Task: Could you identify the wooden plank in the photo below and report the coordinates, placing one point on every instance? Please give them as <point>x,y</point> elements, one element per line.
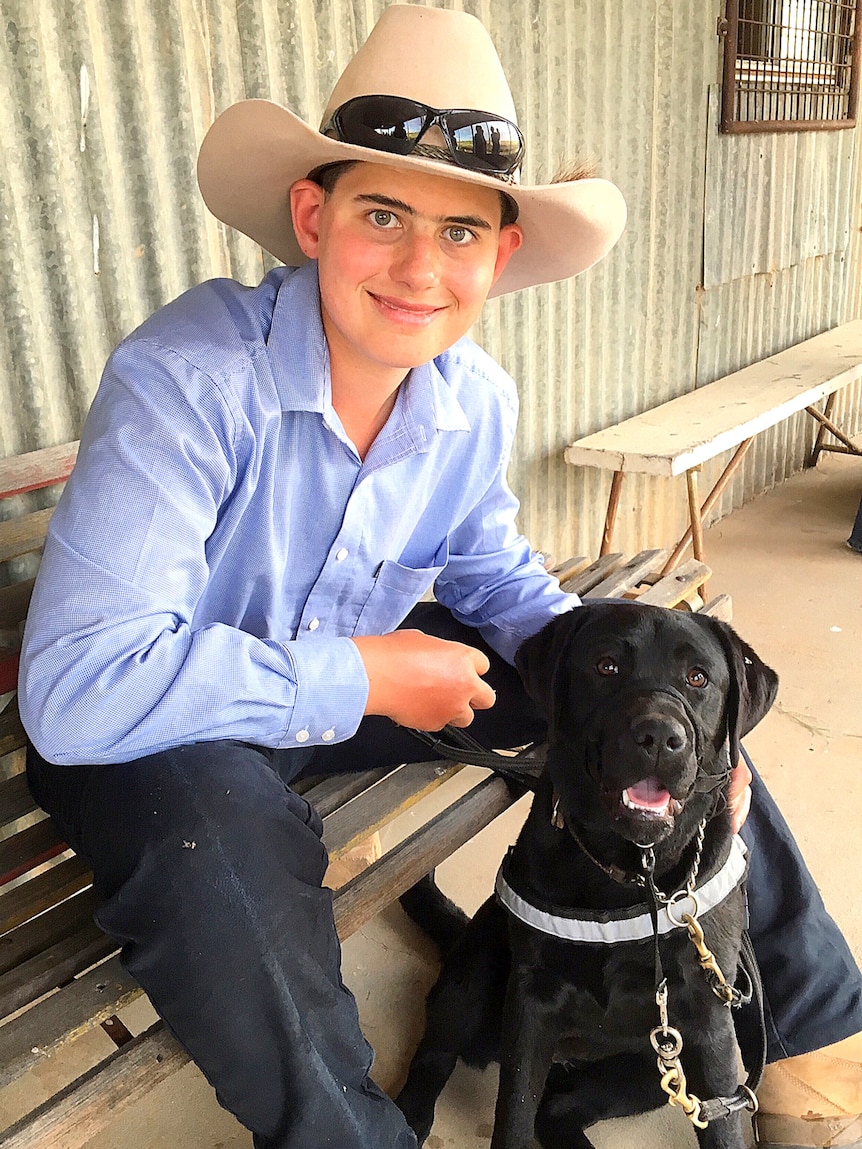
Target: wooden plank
<point>53,967</point>
<point>692,428</point>
<point>45,890</point>
<point>719,607</point>
<point>593,574</point>
<point>403,866</point>
<point>678,585</point>
<point>15,800</point>
<point>28,849</point>
<point>327,794</point>
<point>21,536</point>
<point>571,567</point>
<point>77,1113</point>
<point>627,576</point>
<point>14,601</point>
<point>60,921</point>
<point>82,1005</point>
<point>36,469</point>
<point>8,671</point>
<point>374,808</point>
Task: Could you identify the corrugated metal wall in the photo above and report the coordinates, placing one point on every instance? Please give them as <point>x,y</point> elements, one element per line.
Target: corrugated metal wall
<point>103,104</point>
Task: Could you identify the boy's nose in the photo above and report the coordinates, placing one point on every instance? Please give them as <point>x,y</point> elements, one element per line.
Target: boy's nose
<point>417,264</point>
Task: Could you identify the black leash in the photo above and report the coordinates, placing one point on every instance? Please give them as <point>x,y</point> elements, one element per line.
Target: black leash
<point>521,769</point>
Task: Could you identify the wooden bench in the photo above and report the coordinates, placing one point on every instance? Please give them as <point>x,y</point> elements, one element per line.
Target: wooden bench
<point>677,437</point>
<point>60,976</point>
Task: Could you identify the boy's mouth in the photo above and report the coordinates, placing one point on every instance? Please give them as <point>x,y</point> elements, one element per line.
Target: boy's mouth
<point>405,311</point>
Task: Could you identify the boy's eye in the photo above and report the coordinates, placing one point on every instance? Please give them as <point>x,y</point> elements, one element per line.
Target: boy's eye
<point>458,234</point>
<point>383,218</point>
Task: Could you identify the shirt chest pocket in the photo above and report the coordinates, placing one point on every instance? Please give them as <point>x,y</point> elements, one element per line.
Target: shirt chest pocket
<point>395,591</point>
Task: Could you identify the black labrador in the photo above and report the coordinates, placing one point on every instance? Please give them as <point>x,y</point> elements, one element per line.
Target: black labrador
<point>645,708</point>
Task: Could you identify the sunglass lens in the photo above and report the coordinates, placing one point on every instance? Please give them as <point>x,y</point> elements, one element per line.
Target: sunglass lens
<point>489,145</point>
<point>386,123</point>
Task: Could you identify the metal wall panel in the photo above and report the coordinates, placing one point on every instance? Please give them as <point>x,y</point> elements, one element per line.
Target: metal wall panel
<point>103,104</point>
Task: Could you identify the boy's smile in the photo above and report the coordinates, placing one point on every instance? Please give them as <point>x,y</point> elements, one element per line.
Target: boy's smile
<point>406,260</point>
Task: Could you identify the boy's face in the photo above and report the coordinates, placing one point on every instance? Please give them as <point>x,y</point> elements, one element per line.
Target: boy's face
<point>406,261</point>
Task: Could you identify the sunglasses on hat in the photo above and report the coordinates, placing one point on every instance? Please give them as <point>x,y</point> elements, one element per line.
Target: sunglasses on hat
<point>478,141</point>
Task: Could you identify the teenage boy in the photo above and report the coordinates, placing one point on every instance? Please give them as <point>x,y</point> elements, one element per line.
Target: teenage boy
<point>269,480</point>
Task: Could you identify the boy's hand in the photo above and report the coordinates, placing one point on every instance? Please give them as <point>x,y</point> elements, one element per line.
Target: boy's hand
<point>424,682</point>
<point>739,797</point>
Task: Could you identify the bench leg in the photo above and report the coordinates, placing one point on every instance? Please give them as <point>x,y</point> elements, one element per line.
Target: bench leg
<point>710,501</point>
<point>611,516</point>
<point>826,424</point>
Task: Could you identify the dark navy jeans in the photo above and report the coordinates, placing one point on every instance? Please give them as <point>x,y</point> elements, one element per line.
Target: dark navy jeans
<point>208,866</point>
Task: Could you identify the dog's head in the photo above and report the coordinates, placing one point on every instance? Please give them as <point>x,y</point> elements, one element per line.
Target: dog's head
<point>646,707</point>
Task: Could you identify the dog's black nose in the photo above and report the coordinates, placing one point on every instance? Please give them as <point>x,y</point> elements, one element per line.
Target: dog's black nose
<point>659,736</point>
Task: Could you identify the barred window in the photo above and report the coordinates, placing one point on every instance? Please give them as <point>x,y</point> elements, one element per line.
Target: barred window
<point>789,65</point>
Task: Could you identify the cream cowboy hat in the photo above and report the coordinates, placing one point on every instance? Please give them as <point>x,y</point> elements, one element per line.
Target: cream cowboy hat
<point>256,149</point>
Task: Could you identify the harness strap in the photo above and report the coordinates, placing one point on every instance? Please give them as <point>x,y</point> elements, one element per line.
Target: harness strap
<point>615,926</point>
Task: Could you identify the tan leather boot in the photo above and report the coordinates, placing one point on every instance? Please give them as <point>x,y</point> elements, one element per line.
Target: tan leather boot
<point>813,1100</point>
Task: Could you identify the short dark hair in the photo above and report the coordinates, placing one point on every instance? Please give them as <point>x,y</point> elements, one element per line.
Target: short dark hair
<point>328,175</point>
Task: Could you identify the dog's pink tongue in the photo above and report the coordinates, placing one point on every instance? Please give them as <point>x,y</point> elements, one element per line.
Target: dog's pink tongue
<point>649,794</point>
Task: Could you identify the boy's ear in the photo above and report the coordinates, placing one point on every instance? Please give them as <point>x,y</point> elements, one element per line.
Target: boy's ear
<point>511,238</point>
<point>306,200</point>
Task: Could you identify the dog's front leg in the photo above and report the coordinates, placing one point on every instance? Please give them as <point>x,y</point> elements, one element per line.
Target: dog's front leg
<point>530,1035</point>
<point>712,1068</point>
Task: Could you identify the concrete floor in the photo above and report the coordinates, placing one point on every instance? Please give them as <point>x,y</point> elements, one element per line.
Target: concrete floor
<point>797,598</point>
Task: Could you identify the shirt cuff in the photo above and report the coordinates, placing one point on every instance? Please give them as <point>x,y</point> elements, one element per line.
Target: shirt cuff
<point>331,691</point>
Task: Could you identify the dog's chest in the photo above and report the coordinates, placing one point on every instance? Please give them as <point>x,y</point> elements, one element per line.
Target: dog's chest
<point>601,1001</point>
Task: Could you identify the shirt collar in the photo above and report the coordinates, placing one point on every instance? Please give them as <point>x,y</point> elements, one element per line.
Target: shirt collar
<point>300,365</point>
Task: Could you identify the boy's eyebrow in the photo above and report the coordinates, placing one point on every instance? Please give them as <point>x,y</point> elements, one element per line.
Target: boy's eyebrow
<point>408,209</point>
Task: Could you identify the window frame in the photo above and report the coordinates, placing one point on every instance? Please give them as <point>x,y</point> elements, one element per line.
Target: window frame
<point>770,66</point>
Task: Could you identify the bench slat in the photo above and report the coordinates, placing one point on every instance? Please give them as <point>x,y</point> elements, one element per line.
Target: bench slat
<point>678,585</point>
<point>53,967</point>
<point>52,926</point>
<point>327,794</point>
<point>403,865</point>
<point>77,1113</point>
<point>374,808</point>
<point>628,575</point>
<point>14,601</point>
<point>25,901</point>
<point>21,536</point>
<point>81,1006</point>
<point>15,799</point>
<point>28,849</point>
<point>36,469</point>
<point>593,574</point>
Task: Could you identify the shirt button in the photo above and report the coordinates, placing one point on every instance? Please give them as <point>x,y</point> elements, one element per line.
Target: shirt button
<point>341,555</point>
<point>314,624</point>
<point>328,735</point>
<point>302,736</point>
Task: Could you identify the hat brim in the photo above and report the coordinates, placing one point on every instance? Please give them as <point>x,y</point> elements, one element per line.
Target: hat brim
<point>256,149</point>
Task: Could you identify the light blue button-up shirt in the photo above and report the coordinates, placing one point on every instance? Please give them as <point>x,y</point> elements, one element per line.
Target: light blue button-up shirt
<point>220,539</point>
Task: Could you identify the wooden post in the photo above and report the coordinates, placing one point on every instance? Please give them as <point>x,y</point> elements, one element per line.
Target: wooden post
<point>611,516</point>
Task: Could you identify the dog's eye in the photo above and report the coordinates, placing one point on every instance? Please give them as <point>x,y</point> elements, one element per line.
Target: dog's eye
<point>696,677</point>
<point>607,666</point>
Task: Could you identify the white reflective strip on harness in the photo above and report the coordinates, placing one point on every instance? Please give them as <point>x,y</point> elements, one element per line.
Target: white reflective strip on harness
<point>612,928</point>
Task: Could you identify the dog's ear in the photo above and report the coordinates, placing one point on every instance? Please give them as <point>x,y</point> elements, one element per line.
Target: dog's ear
<point>541,662</point>
<point>753,684</point>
